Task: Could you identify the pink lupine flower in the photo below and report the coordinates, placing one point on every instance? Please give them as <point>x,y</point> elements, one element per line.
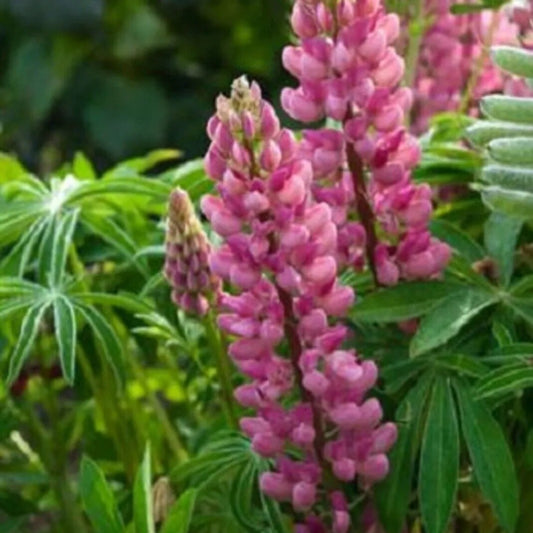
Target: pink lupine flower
<point>349,71</point>
<point>186,262</point>
<point>454,58</point>
<point>280,253</point>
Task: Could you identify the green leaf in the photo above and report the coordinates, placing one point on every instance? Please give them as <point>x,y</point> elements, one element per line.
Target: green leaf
<point>491,458</point>
<point>460,241</point>
<point>10,286</point>
<point>15,262</point>
<point>83,168</point>
<point>461,364</point>
<point>28,332</point>
<point>108,230</point>
<point>106,337</point>
<point>61,243</point>
<point>180,514</point>
<point>501,235</point>
<point>394,493</point>
<point>142,497</point>
<point>522,307</point>
<point>124,300</point>
<point>150,188</point>
<point>439,460</point>
<point>273,514</point>
<point>522,286</point>
<point>484,131</point>
<point>402,302</point>
<point>512,178</point>
<point>514,203</point>
<point>65,330</point>
<point>517,61</point>
<point>504,380</point>
<point>517,352</point>
<point>12,306</point>
<point>516,151</point>
<point>508,108</point>
<point>447,319</point>
<point>98,500</point>
<point>44,256</point>
<point>241,497</point>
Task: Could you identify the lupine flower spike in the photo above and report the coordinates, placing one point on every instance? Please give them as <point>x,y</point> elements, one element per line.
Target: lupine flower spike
<point>187,249</point>
<point>349,72</point>
<point>279,254</point>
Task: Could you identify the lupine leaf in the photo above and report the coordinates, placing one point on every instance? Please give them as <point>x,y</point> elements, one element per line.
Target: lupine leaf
<point>394,493</point>
<point>510,108</point>
<point>180,514</point>
<point>61,242</point>
<point>107,338</point>
<point>98,500</point>
<point>460,241</point>
<point>491,457</point>
<point>28,332</point>
<point>503,380</point>
<point>65,330</point>
<point>142,497</point>
<point>501,235</point>
<point>439,460</point>
<point>517,61</point>
<point>404,301</point>
<point>447,319</point>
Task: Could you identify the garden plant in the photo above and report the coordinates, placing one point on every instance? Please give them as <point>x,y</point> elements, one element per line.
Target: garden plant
<point>324,325</point>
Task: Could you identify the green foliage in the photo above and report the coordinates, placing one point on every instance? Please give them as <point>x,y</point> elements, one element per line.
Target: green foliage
<point>122,77</point>
<point>507,179</point>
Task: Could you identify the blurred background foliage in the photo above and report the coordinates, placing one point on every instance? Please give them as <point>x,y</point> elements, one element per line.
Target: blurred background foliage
<point>116,78</point>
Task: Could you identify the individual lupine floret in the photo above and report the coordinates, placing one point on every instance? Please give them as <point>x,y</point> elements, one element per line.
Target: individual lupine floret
<point>279,251</point>
<point>186,261</point>
<point>349,71</point>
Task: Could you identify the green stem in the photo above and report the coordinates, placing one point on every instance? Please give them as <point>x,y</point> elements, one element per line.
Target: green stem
<point>416,33</point>
<point>218,346</point>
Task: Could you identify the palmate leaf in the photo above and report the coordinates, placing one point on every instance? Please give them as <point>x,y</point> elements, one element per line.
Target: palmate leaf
<point>439,460</point>
<point>28,332</point>
<point>491,457</point>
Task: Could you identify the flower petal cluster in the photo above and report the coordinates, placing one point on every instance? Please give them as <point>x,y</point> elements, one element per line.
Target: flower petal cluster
<point>454,59</point>
<point>187,250</point>
<point>349,72</point>
<point>279,254</point>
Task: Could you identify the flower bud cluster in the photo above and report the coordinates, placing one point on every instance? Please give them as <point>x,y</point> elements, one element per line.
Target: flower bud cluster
<point>187,250</point>
<point>349,72</point>
<point>279,253</point>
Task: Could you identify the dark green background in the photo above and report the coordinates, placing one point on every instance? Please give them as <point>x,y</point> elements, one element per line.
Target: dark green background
<point>117,78</point>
